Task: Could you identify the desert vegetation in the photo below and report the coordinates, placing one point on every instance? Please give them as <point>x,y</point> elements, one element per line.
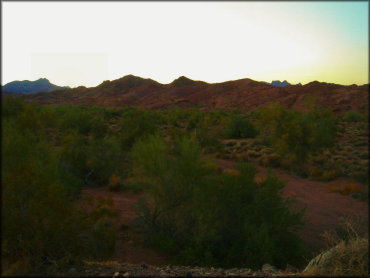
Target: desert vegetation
<point>192,209</point>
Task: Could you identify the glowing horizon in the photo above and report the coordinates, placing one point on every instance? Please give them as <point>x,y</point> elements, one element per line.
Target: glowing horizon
<point>74,44</point>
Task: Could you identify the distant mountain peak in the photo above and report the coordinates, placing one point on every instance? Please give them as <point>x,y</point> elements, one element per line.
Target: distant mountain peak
<point>29,87</point>
<point>277,83</point>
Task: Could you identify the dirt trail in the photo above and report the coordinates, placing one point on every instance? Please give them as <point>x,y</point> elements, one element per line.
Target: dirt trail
<point>324,211</point>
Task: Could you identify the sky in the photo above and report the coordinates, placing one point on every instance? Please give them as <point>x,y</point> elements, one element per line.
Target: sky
<point>85,43</point>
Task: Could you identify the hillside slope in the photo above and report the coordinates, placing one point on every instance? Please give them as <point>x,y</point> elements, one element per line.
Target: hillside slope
<point>243,94</point>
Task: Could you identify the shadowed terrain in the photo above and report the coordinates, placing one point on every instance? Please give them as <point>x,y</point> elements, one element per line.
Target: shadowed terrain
<point>242,94</point>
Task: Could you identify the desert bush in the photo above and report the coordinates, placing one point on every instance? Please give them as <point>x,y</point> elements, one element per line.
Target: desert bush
<point>352,116</point>
<point>40,225</point>
<point>315,172</point>
<point>115,183</point>
<point>194,119</point>
<point>190,212</point>
<point>134,185</point>
<point>240,127</point>
<point>295,134</point>
<point>136,124</point>
<point>271,160</point>
<point>92,161</point>
<point>177,115</point>
<point>104,159</point>
<point>39,120</point>
<point>346,189</point>
<point>328,175</point>
<point>362,175</point>
<point>11,106</point>
<point>254,154</point>
<point>76,118</point>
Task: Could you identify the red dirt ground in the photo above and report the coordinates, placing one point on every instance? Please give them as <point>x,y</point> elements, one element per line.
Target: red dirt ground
<point>324,211</point>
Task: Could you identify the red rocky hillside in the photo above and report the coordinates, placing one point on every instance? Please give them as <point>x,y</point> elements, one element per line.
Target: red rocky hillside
<point>243,94</point>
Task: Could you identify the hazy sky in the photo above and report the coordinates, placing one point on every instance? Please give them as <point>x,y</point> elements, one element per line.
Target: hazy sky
<point>85,43</point>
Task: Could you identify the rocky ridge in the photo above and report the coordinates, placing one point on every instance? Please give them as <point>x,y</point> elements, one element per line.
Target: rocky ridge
<point>243,94</point>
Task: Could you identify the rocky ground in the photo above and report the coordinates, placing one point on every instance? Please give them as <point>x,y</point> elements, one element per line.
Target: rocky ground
<point>115,269</point>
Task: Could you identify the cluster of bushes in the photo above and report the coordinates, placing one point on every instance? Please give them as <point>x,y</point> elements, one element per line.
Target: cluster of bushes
<point>352,116</point>
<point>297,134</point>
<point>194,211</point>
<point>92,161</point>
<point>42,228</point>
<point>240,127</point>
<point>209,218</point>
<point>137,123</point>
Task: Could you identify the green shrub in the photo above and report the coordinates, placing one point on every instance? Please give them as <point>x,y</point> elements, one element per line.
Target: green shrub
<point>240,127</point>
<point>295,134</point>
<point>205,217</point>
<point>136,124</point>
<point>40,225</point>
<point>176,116</point>
<point>352,116</point>
<point>11,106</point>
<point>92,161</point>
<point>76,118</point>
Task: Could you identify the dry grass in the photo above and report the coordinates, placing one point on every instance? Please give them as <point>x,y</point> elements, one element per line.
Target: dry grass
<point>347,253</point>
<point>259,179</point>
<point>231,172</point>
<point>346,189</point>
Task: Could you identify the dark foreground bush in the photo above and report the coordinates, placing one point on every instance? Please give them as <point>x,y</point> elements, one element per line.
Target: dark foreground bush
<point>41,227</point>
<point>212,219</point>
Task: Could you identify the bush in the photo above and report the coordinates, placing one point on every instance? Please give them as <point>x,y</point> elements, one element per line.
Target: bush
<point>93,161</point>
<point>295,134</point>
<point>40,225</point>
<point>240,127</point>
<point>76,118</point>
<point>114,183</point>
<point>271,160</point>
<point>136,124</point>
<point>205,217</point>
<point>11,106</point>
<point>352,116</point>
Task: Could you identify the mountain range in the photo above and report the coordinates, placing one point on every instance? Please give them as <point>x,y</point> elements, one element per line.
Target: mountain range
<point>242,94</point>
<point>30,87</point>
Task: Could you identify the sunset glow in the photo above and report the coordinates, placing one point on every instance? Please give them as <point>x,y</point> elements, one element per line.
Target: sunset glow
<point>85,43</point>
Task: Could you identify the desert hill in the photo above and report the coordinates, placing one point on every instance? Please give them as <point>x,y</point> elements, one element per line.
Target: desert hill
<point>242,94</point>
